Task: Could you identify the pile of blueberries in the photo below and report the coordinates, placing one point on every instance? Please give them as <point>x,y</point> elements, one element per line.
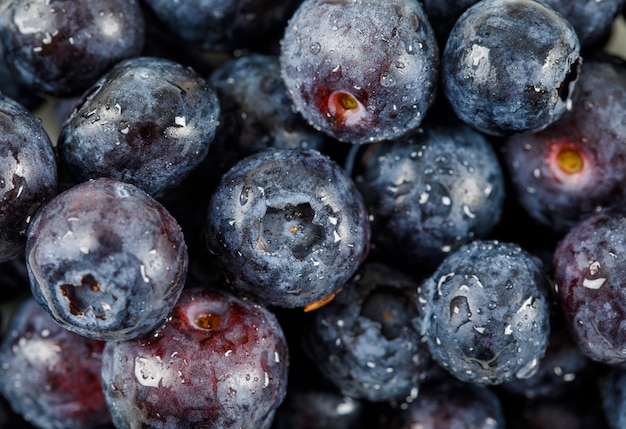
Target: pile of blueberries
<point>308,214</point>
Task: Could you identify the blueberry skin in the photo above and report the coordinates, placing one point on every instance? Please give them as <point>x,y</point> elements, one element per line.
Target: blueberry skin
<point>224,25</point>
<point>106,260</point>
<point>50,375</point>
<point>149,121</point>
<point>367,341</point>
<point>571,169</point>
<point>256,112</point>
<point>28,174</point>
<point>60,48</point>
<point>218,362</point>
<point>361,71</point>
<point>288,227</point>
<point>486,313</point>
<point>510,66</point>
<point>589,272</point>
<point>431,192</point>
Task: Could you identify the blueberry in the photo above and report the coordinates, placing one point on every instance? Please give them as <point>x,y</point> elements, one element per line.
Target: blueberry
<point>510,66</point>
<point>367,341</point>
<point>486,313</point>
<point>288,227</point>
<point>256,112</point>
<point>451,403</point>
<point>106,260</point>
<point>60,48</point>
<point>149,121</point>
<point>224,25</point>
<point>589,273</point>
<point>218,362</point>
<point>28,174</point>
<point>50,375</point>
<point>361,71</point>
<point>568,171</point>
<point>431,192</point>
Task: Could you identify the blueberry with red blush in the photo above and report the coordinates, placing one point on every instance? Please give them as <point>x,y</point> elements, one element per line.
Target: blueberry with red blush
<point>287,227</point>
<point>148,121</point>
<point>61,48</point>
<point>106,260</point>
<point>589,273</point>
<point>430,192</point>
<point>577,166</point>
<point>361,71</point>
<point>28,174</point>
<point>50,375</point>
<point>218,362</point>
<point>510,66</point>
<point>486,313</point>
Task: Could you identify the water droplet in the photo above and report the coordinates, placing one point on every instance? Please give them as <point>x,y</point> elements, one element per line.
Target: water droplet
<point>315,48</point>
<point>387,80</point>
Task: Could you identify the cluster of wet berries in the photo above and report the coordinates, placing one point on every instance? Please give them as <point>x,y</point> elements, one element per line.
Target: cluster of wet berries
<point>312,214</point>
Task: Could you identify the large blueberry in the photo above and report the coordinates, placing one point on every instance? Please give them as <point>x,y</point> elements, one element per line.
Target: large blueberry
<point>367,341</point>
<point>510,66</point>
<point>431,191</point>
<point>106,260</point>
<point>288,226</point>
<point>571,169</point>
<point>62,47</point>
<point>589,275</point>
<point>361,71</point>
<point>149,121</point>
<point>28,174</point>
<point>217,362</point>
<point>486,313</point>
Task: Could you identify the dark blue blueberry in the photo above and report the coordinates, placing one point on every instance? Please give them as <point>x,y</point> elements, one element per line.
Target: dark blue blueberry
<point>224,25</point>
<point>106,260</point>
<point>28,174</point>
<point>321,409</point>
<point>576,166</point>
<point>256,112</point>
<point>288,227</point>
<point>486,313</point>
<point>218,362</point>
<point>149,122</point>
<point>361,71</point>
<point>451,403</point>
<point>431,192</point>
<point>367,341</point>
<point>510,66</point>
<point>592,19</point>
<point>589,276</point>
<point>50,375</point>
<point>62,47</point>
